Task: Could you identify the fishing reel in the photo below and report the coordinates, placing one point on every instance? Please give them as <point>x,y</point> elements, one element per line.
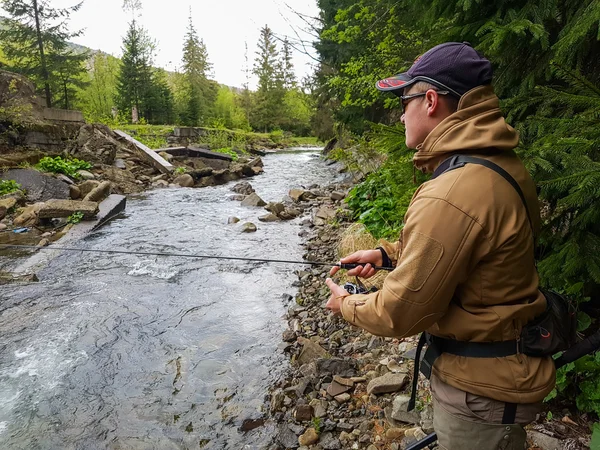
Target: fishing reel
<point>358,288</point>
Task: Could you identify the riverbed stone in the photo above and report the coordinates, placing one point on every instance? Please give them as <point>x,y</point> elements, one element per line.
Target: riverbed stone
<point>390,382</point>
<point>310,437</point>
<point>243,187</point>
<point>329,442</point>
<point>74,192</point>
<point>325,213</point>
<point>99,193</point>
<point>310,352</point>
<point>8,203</point>
<point>65,208</point>
<point>334,389</point>
<point>342,398</point>
<point>38,186</point>
<point>253,200</point>
<point>233,219</point>
<point>184,180</point>
<point>337,196</point>
<point>84,174</point>
<point>269,218</point>
<point>248,227</point>
<point>275,207</point>
<point>303,413</point>
<point>399,410</point>
<point>87,186</point>
<point>286,437</point>
<point>544,441</point>
<point>28,216</point>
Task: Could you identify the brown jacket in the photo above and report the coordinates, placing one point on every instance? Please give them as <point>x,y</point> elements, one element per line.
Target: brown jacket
<point>464,263</point>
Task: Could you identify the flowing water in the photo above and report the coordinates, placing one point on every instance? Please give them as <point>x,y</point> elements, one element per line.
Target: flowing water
<point>137,352</point>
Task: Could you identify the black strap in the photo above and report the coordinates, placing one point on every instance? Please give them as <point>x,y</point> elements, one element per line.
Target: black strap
<point>413,394</point>
<point>510,413</point>
<point>476,349</point>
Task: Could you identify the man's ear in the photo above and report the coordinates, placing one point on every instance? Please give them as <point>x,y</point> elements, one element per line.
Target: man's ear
<point>433,102</point>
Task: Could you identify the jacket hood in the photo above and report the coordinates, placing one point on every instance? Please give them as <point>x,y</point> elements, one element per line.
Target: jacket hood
<point>476,127</point>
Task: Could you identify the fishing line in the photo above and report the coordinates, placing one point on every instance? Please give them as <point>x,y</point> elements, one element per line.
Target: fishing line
<point>187,255</point>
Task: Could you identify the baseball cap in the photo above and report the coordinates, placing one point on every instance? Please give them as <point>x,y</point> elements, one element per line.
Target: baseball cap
<point>453,66</point>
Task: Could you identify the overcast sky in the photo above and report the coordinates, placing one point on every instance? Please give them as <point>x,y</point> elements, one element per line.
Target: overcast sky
<point>224,25</point>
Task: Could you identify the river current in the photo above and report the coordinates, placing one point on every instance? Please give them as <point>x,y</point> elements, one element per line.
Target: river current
<point>137,352</point>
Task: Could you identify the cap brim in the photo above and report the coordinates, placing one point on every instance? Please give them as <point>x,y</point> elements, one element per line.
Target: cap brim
<point>396,83</point>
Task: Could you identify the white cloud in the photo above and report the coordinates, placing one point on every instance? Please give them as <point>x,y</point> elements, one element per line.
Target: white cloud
<point>223,25</point>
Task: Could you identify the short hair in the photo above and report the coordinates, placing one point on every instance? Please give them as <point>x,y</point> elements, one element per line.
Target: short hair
<point>423,86</point>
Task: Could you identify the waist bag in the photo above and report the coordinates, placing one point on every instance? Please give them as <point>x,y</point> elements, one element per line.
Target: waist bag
<point>551,332</point>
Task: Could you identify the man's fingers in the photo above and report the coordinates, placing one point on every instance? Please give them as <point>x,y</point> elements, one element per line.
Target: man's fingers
<point>334,270</point>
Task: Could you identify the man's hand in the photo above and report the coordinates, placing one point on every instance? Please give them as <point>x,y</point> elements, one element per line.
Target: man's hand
<point>367,259</point>
<point>334,304</point>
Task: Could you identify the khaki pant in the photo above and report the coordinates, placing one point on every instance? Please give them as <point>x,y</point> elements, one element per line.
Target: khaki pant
<point>465,421</point>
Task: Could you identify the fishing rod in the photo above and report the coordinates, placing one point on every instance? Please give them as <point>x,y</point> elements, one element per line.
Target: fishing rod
<point>187,255</point>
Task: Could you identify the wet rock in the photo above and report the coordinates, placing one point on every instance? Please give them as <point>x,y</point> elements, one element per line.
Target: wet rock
<point>289,214</point>
<point>248,227</point>
<point>399,410</point>
<point>390,382</point>
<point>38,186</point>
<point>286,437</point>
<point>232,219</point>
<point>336,366</point>
<point>325,213</point>
<point>8,203</point>
<point>43,243</point>
<point>237,197</point>
<point>74,192</point>
<point>99,193</point>
<point>275,208</point>
<point>184,180</point>
<point>310,437</point>
<point>319,407</point>
<point>87,186</point>
<point>253,200</point>
<point>277,400</point>
<point>251,424</point>
<point>303,413</point>
<point>544,441</point>
<point>256,162</point>
<point>329,442</point>
<point>243,187</point>
<point>289,336</point>
<point>65,208</point>
<point>337,196</point>
<point>269,218</point>
<point>310,352</point>
<point>257,170</point>
<point>84,174</point>
<point>28,216</point>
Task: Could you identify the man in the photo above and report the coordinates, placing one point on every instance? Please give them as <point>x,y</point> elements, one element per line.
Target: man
<point>464,264</point>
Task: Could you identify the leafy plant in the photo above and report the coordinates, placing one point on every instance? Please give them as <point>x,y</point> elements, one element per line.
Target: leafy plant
<point>179,170</point>
<point>68,167</point>
<point>595,444</point>
<point>316,423</point>
<point>75,218</point>
<point>228,151</point>
<point>8,186</point>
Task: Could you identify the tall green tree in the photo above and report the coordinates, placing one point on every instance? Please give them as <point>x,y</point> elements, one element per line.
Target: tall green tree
<point>34,40</point>
<point>269,98</point>
<point>196,67</point>
<point>97,98</point>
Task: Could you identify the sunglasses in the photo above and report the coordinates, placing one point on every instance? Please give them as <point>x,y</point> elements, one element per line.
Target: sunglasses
<point>405,98</point>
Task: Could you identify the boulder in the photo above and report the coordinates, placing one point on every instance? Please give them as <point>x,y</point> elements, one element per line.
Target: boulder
<point>296,194</point>
<point>8,203</point>
<point>310,437</point>
<point>39,187</point>
<point>257,170</point>
<point>337,196</point>
<point>400,413</point>
<point>28,216</point>
<point>74,192</point>
<point>275,208</point>
<point>269,218</point>
<point>3,211</point>
<point>544,441</point>
<point>390,382</point>
<point>17,94</point>
<point>65,208</point>
<point>310,352</point>
<point>184,180</point>
<point>233,219</point>
<point>253,200</point>
<point>96,144</point>
<point>289,214</point>
<point>87,186</point>
<point>248,227</point>
<point>325,213</point>
<point>303,413</point>
<point>99,193</point>
<point>256,162</point>
<point>123,180</point>
<point>243,187</point>
<point>84,174</point>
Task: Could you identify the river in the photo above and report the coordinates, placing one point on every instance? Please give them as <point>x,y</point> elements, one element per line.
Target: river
<point>134,352</point>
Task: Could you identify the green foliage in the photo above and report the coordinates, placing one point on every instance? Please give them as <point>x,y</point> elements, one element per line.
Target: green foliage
<point>8,187</point>
<point>75,218</point>
<point>68,167</point>
<point>153,136</point>
<point>97,98</point>
<point>595,444</point>
<point>179,170</point>
<point>227,151</point>
<point>316,424</point>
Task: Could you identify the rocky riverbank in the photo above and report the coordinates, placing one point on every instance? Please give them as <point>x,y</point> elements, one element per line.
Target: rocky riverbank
<point>348,389</point>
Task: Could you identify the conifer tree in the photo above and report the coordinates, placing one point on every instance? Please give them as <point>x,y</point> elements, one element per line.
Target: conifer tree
<point>34,39</point>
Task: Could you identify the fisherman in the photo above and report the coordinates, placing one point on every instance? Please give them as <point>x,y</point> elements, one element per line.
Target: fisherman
<point>464,263</point>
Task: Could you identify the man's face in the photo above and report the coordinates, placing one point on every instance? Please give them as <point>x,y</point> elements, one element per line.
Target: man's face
<point>415,119</point>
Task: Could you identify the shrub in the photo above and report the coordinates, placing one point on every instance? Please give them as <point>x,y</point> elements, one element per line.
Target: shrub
<point>8,186</point>
<point>68,167</point>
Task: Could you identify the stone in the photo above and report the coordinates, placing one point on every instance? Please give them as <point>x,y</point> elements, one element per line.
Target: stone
<point>64,178</point>
<point>277,400</point>
<point>296,194</point>
<point>544,441</point>
<point>269,218</point>
<point>184,180</point>
<point>84,174</point>
<point>342,398</point>
<point>329,442</point>
<point>243,187</point>
<point>38,186</point>
<point>253,200</point>
<point>256,162</point>
<point>43,243</point>
<point>65,208</point>
<point>99,193</point>
<point>286,437</point>
<point>399,410</point>
<point>343,381</point>
<point>257,170</point>
<point>87,186</point>
<point>95,143</point>
<point>325,213</point>
<point>120,164</point>
<point>303,413</point>
<point>289,336</point>
<point>3,226</point>
<point>166,156</point>
<point>319,407</point>
<point>426,420</point>
<point>335,388</point>
<point>275,208</point>
<point>233,219</point>
<point>74,192</point>
<point>8,203</point>
<point>336,366</point>
<point>394,433</point>
<point>310,437</point>
<point>335,196</point>
<point>390,382</point>
<point>3,211</point>
<point>28,216</point>
<point>310,352</point>
<point>248,227</point>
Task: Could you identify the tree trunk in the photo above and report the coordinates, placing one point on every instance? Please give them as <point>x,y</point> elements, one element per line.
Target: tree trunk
<point>42,56</point>
<point>66,94</point>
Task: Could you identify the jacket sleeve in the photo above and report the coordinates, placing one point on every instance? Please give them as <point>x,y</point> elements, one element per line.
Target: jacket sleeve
<point>392,250</point>
<point>438,246</point>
